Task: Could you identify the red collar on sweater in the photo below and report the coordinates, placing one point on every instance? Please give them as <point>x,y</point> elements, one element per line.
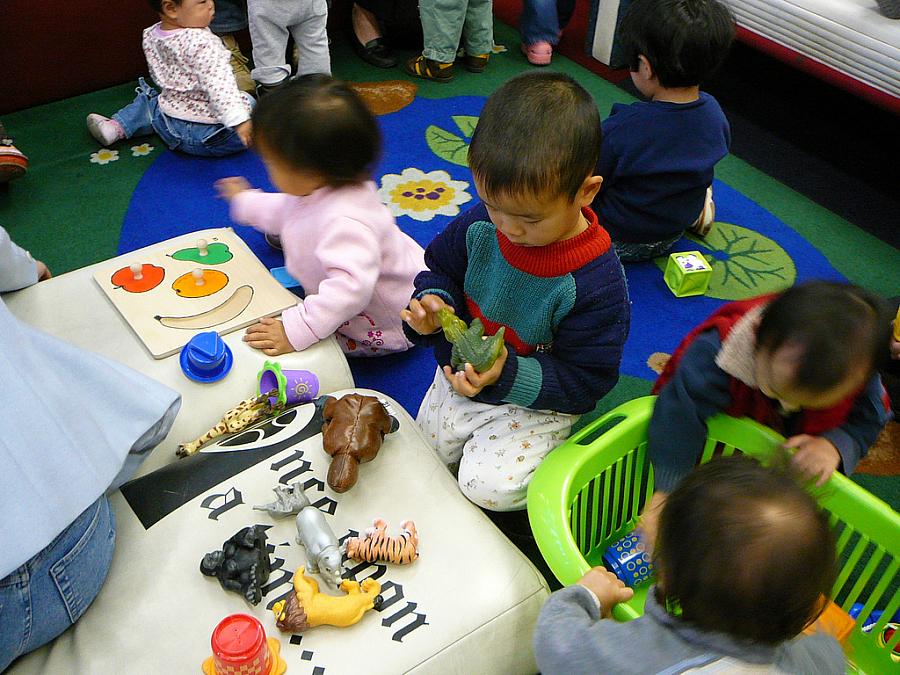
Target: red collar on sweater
<point>560,257</point>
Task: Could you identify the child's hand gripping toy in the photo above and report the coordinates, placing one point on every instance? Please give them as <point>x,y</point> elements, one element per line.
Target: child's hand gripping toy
<point>469,343</point>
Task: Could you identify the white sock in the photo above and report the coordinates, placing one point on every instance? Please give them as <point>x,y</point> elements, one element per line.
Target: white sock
<point>107,131</point>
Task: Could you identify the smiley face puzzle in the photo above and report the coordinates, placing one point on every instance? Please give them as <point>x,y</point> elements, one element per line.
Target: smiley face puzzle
<point>206,280</point>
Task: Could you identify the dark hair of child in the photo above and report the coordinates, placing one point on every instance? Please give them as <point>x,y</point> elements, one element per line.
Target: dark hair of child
<point>156,5</point>
<point>744,550</point>
<point>839,326</point>
<point>538,134</point>
<point>684,41</point>
<point>318,124</point>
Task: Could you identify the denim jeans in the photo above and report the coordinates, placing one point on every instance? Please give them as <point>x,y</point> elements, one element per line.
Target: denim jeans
<point>543,20</point>
<point>51,591</point>
<point>231,16</point>
<point>143,116</point>
<point>630,251</point>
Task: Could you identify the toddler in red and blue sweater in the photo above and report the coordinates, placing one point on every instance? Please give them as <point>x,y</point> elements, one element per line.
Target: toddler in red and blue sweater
<point>534,259</point>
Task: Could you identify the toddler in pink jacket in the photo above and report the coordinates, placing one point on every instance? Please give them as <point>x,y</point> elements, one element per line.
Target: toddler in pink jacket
<point>319,142</point>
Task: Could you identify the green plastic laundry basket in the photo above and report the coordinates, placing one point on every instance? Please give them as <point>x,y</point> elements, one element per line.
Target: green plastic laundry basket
<point>588,493</point>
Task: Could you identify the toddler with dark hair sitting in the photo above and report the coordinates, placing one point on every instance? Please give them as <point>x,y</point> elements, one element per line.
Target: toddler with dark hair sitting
<point>198,109</point>
<point>803,363</point>
<point>531,259</point>
<point>320,143</point>
<point>658,155</point>
<point>745,560</point>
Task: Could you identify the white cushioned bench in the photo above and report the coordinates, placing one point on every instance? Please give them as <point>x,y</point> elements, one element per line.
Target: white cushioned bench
<point>468,605</point>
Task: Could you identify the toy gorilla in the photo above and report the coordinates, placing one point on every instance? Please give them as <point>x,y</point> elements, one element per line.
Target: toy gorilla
<point>242,565</point>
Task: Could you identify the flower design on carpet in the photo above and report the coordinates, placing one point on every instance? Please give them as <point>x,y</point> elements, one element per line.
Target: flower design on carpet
<point>745,263</point>
<point>104,156</point>
<point>141,150</point>
<point>422,196</point>
<point>451,146</point>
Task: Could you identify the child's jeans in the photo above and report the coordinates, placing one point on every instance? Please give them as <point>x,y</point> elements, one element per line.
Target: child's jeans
<point>630,251</point>
<point>543,20</point>
<point>497,447</point>
<point>50,592</point>
<point>445,21</point>
<point>143,116</point>
<point>270,23</point>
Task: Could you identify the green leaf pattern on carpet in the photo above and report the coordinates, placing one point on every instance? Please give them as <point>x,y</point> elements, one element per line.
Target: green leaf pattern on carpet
<point>745,263</point>
<point>448,145</point>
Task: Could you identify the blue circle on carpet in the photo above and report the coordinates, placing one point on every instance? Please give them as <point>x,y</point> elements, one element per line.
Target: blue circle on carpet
<point>176,196</point>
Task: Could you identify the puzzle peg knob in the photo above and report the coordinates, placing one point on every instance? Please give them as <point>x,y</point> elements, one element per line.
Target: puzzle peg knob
<point>202,247</point>
<point>137,271</point>
<point>198,277</point>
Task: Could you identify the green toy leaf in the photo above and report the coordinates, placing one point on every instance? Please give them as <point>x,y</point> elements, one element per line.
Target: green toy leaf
<point>744,263</point>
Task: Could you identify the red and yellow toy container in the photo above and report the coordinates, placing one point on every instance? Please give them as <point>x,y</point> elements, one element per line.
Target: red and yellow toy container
<point>240,647</point>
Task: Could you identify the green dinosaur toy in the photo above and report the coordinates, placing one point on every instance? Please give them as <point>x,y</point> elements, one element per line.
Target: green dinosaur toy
<point>469,343</point>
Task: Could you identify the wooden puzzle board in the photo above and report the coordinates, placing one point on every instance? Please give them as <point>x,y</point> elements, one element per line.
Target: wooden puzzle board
<point>166,307</point>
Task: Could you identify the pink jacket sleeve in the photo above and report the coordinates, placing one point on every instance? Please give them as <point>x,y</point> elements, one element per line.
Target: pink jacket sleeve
<point>266,211</point>
<point>350,253</point>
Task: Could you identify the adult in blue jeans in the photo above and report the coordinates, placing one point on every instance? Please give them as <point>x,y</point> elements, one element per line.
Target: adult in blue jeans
<point>74,427</point>
<point>541,25</point>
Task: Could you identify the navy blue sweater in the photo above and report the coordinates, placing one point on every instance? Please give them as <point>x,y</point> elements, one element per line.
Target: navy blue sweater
<point>657,161</point>
<point>565,308</point>
<point>699,389</point>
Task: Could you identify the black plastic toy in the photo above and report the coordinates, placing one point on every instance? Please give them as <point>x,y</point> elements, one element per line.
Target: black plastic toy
<point>242,565</point>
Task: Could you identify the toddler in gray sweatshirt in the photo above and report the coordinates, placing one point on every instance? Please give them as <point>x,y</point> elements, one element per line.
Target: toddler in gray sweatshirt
<point>745,559</point>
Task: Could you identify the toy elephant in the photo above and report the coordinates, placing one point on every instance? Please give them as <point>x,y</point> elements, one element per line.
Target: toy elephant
<point>323,553</point>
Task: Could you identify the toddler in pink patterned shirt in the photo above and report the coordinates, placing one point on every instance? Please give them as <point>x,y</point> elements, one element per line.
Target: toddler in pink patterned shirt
<point>319,143</point>
<point>200,109</point>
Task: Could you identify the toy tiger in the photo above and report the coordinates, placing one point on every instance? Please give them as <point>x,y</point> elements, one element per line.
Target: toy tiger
<point>377,546</point>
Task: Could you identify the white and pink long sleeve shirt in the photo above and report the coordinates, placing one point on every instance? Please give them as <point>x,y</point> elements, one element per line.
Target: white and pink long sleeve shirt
<point>191,68</point>
<point>355,265</point>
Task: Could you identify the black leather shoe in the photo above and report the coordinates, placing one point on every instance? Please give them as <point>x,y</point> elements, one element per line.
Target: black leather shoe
<point>374,52</point>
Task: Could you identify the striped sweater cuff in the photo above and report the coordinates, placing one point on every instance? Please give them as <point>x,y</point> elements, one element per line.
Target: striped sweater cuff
<point>440,292</point>
<point>527,384</point>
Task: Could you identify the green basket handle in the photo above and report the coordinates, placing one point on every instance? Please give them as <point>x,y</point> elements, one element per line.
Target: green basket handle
<point>551,487</point>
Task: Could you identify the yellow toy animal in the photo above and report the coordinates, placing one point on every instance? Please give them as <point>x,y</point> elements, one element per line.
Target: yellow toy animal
<point>307,608</point>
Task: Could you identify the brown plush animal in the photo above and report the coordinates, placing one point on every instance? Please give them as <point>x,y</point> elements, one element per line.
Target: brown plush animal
<point>354,428</point>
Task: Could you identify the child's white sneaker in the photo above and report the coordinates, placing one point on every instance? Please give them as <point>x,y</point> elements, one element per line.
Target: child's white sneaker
<point>107,131</point>
<point>704,222</point>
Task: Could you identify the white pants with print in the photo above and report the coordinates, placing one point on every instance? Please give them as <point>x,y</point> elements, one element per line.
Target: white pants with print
<point>498,447</point>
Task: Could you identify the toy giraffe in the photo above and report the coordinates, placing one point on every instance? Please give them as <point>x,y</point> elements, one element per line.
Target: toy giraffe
<point>245,414</point>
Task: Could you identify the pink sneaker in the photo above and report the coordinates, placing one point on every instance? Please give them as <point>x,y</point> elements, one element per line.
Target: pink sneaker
<point>105,130</point>
<point>539,53</point>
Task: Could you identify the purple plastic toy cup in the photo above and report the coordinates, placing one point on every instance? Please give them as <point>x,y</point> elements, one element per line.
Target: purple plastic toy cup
<point>628,560</point>
<point>294,386</point>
